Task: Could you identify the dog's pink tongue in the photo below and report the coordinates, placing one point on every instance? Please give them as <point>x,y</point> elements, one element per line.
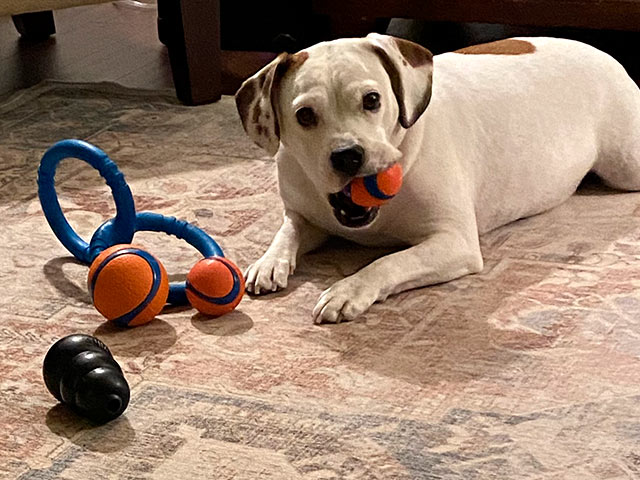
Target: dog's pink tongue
<point>376,190</point>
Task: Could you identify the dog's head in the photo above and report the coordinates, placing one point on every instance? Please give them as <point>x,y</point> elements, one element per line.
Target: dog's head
<point>340,108</point>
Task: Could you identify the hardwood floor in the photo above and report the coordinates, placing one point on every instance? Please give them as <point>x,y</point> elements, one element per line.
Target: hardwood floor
<point>105,42</point>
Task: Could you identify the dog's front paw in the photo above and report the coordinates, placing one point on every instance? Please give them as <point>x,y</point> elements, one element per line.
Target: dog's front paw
<point>344,300</point>
<point>269,274</point>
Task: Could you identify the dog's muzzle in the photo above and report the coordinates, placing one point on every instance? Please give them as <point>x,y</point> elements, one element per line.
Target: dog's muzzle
<point>348,213</point>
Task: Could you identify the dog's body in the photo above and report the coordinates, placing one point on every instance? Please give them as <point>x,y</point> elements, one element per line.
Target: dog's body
<point>510,130</point>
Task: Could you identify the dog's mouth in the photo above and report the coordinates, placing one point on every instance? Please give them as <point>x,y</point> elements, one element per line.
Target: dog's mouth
<point>348,213</point>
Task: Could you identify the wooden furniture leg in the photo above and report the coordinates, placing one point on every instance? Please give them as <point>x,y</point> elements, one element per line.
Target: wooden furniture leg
<point>191,31</point>
<point>35,26</point>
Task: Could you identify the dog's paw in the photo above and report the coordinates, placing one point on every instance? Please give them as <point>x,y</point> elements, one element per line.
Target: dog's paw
<point>344,300</point>
<point>269,274</point>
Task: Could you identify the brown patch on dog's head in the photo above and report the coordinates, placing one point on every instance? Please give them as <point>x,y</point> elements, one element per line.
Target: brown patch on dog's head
<point>297,59</point>
<point>257,100</point>
<point>509,46</point>
<point>410,68</point>
<point>413,53</point>
<point>289,63</point>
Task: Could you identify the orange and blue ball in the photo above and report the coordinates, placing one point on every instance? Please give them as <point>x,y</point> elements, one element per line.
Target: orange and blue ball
<point>215,286</point>
<point>376,190</point>
<point>128,285</point>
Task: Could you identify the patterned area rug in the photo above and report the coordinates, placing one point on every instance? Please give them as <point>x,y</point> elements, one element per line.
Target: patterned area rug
<point>529,370</point>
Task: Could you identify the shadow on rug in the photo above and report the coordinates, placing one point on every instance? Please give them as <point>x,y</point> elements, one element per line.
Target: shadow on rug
<point>529,370</point>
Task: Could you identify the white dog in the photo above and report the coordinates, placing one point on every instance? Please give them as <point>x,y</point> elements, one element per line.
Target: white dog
<point>485,136</point>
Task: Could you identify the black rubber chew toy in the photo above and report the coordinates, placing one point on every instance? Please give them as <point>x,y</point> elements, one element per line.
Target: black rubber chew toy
<point>80,371</point>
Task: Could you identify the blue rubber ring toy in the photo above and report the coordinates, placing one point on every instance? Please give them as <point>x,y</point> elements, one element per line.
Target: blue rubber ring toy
<point>154,222</point>
<point>125,219</point>
<point>124,225</point>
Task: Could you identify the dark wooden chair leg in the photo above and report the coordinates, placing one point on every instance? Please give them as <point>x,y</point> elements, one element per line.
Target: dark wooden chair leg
<point>162,31</point>
<point>191,31</point>
<point>35,26</point>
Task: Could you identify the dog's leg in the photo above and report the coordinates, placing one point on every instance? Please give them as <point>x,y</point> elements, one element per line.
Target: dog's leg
<point>295,237</point>
<point>619,162</point>
<point>443,256</point>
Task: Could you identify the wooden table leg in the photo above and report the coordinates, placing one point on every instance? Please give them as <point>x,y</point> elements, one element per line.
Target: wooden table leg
<point>191,31</point>
<point>36,25</point>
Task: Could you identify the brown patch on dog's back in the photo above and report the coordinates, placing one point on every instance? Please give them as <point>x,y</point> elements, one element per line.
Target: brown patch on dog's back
<point>509,46</point>
<point>413,53</point>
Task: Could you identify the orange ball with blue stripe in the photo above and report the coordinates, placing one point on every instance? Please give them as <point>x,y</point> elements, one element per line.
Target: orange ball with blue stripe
<point>128,285</point>
<point>215,286</point>
<point>376,190</point>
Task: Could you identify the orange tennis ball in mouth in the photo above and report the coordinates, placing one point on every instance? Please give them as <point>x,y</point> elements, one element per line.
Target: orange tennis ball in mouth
<point>376,190</point>
<point>128,285</point>
<point>215,286</point>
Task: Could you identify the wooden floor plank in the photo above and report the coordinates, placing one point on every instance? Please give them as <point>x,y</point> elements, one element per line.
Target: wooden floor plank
<point>107,42</point>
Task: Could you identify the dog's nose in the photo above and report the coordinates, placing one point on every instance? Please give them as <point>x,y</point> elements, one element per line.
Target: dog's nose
<point>348,159</point>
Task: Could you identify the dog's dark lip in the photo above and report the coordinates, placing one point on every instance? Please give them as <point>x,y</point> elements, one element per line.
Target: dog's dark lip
<point>348,213</point>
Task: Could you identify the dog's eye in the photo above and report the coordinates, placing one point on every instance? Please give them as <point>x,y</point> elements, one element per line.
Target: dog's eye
<point>307,117</point>
<point>371,101</point>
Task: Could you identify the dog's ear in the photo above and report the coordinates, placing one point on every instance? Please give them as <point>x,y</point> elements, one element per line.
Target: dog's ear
<point>258,115</point>
<point>410,68</point>
<point>257,101</point>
